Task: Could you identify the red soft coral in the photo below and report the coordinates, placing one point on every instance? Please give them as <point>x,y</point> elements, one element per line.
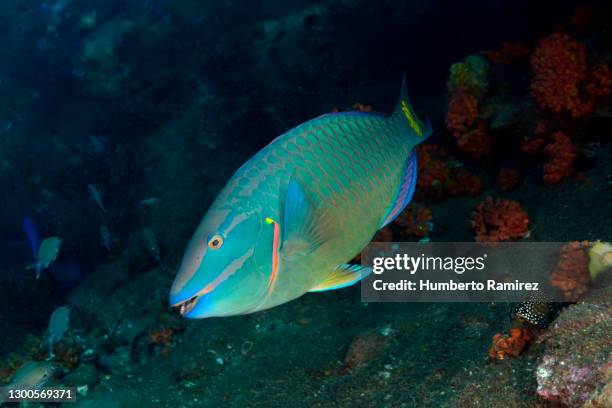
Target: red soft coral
<point>476,143</point>
<point>510,345</point>
<point>562,154</point>
<point>499,220</point>
<point>600,81</point>
<point>414,221</point>
<point>433,171</point>
<point>571,277</point>
<point>559,67</point>
<point>507,179</point>
<point>462,113</point>
<point>463,182</point>
<point>532,146</point>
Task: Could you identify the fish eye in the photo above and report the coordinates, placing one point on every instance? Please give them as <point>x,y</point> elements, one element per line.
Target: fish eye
<point>215,242</point>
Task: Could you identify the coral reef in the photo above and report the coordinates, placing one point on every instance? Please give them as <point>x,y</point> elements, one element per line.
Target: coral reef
<point>470,75</point>
<point>477,142</point>
<point>462,113</point>
<point>559,68</point>
<point>414,221</point>
<point>463,182</point>
<point>600,258</point>
<point>562,154</point>
<point>468,82</point>
<point>600,81</point>
<point>362,107</point>
<point>507,179</point>
<point>531,146</point>
<point>161,337</point>
<point>510,345</point>
<point>441,175</point>
<point>571,275</point>
<point>433,171</point>
<point>499,220</point>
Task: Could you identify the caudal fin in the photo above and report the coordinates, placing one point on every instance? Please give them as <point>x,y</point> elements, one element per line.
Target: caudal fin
<point>403,111</point>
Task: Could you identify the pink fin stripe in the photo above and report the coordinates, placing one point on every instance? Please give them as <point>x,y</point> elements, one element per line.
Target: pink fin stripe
<point>406,189</point>
<point>275,243</point>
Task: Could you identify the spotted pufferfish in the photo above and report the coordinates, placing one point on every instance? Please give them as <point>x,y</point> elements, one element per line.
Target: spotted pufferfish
<point>536,311</point>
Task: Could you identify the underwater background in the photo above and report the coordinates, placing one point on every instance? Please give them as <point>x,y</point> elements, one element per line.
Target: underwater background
<point>120,121</point>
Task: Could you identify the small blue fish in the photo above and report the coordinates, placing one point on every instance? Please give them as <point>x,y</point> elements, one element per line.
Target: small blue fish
<point>31,233</point>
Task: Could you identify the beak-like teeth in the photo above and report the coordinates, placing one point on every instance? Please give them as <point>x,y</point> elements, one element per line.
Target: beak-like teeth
<point>187,305</point>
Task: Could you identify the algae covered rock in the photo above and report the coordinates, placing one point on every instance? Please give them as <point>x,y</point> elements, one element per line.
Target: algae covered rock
<point>576,369</point>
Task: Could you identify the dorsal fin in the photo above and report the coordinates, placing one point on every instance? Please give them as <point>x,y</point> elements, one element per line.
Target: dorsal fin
<point>405,111</point>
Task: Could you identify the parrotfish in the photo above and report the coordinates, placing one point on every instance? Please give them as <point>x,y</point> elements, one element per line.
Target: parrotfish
<point>293,215</point>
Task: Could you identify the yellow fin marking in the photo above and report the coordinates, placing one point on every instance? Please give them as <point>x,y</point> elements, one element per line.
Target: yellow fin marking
<point>411,120</point>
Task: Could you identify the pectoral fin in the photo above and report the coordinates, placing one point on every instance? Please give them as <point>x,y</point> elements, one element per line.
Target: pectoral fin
<point>344,275</point>
<point>305,226</point>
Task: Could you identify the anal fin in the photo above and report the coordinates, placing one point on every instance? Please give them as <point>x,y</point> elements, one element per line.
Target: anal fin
<point>344,275</point>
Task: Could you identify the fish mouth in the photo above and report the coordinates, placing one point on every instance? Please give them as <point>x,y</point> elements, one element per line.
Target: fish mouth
<point>186,306</point>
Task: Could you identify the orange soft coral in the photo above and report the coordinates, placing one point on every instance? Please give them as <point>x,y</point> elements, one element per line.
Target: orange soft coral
<point>507,179</point>
<point>362,107</point>
<point>161,336</point>
<point>559,67</point>
<point>499,220</point>
<point>462,113</point>
<point>463,182</point>
<point>532,146</point>
<point>433,171</point>
<point>476,143</point>
<point>414,221</point>
<point>69,357</point>
<point>571,276</point>
<point>510,345</point>
<point>562,154</point>
<point>600,80</point>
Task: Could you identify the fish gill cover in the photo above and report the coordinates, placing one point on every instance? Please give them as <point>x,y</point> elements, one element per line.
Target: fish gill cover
<point>122,123</point>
